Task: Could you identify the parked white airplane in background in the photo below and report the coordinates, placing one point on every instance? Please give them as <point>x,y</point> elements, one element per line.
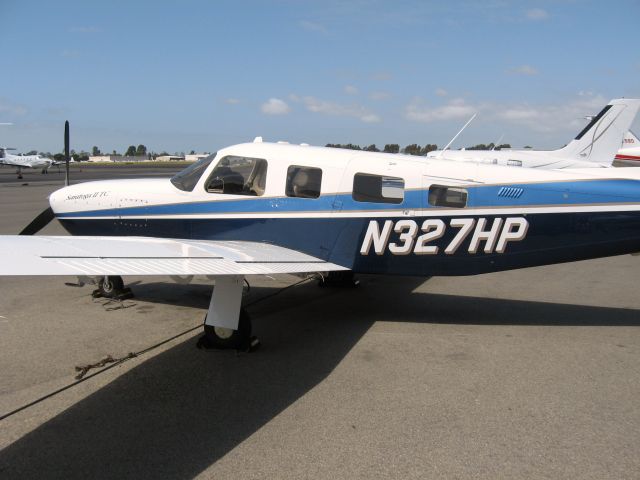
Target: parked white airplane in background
<point>629,154</point>
<point>595,146</point>
<point>25,161</point>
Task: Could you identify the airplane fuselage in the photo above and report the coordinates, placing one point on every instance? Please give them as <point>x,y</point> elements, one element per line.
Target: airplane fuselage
<point>26,161</point>
<point>373,212</point>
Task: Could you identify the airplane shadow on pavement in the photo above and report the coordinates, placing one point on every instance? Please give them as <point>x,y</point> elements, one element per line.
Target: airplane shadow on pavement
<point>177,413</point>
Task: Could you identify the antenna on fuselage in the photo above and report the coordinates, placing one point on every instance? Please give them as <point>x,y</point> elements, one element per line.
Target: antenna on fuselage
<point>457,134</point>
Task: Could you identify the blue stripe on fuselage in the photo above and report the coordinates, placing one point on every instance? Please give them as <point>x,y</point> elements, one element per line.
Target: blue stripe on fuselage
<point>534,194</point>
<point>551,238</point>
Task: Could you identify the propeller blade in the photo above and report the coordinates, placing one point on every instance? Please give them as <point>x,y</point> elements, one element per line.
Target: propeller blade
<point>66,152</point>
<point>39,222</point>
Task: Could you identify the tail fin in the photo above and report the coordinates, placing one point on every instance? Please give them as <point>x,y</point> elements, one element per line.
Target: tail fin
<point>600,140</point>
<point>629,140</point>
<point>3,151</point>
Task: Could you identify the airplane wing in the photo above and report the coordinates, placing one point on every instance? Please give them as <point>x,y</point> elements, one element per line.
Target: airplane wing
<point>97,256</point>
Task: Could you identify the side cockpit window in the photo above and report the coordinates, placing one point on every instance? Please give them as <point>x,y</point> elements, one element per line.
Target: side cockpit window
<point>238,176</point>
<point>377,188</point>
<point>303,182</point>
<point>444,196</point>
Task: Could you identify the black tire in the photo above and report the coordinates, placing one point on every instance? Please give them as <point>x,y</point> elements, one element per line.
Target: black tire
<point>224,338</point>
<point>111,287</point>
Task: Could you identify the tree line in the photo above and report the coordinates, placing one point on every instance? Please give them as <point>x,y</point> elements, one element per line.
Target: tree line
<point>141,150</point>
<point>82,155</point>
<point>413,149</point>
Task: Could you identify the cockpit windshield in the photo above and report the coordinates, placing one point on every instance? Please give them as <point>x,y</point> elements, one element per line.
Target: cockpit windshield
<point>186,179</point>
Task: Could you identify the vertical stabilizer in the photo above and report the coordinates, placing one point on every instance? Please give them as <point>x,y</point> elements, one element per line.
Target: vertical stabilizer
<point>599,141</point>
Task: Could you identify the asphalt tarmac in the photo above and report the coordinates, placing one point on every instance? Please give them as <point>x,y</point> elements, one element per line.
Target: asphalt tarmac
<point>525,374</point>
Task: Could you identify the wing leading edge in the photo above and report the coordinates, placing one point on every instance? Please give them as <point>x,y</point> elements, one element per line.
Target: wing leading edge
<point>75,255</point>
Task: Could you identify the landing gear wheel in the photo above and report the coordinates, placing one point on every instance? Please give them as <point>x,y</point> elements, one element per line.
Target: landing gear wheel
<point>340,280</point>
<point>111,286</point>
<point>225,338</point>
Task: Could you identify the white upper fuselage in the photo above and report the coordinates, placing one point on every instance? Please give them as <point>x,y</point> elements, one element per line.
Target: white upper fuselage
<point>338,169</point>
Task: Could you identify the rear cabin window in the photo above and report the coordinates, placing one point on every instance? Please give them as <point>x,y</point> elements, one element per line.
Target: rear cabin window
<point>443,196</point>
<point>377,188</point>
<point>238,176</point>
<point>303,182</point>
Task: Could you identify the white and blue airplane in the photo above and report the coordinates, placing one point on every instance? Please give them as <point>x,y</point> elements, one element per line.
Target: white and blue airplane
<point>25,161</point>
<point>267,208</point>
<point>595,145</point>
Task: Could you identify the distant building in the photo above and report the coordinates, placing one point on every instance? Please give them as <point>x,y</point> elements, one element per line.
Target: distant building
<point>195,157</point>
<point>116,158</point>
<point>169,158</point>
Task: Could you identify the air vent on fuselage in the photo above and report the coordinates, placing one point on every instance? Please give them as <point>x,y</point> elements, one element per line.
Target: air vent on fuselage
<point>510,192</point>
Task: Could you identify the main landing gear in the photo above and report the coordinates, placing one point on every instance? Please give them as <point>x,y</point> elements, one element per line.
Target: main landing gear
<point>339,279</point>
<point>112,286</point>
<point>227,325</point>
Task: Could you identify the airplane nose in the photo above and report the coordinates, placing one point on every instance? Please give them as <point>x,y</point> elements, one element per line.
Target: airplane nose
<point>56,199</point>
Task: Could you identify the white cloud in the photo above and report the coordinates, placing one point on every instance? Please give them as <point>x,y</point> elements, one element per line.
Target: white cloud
<point>370,118</point>
<point>325,107</point>
<point>382,76</point>
<point>441,92</point>
<point>551,117</point>
<point>527,70</point>
<point>12,108</point>
<point>351,90</point>
<point>85,29</point>
<point>379,96</point>
<point>232,101</point>
<point>275,106</point>
<point>313,26</point>
<point>70,53</point>
<point>536,14</point>
<point>546,118</point>
<point>456,108</point>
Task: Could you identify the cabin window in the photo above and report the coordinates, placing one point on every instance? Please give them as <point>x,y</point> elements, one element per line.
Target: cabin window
<point>238,176</point>
<point>443,196</point>
<point>188,178</point>
<point>303,182</point>
<point>514,163</point>
<point>377,188</point>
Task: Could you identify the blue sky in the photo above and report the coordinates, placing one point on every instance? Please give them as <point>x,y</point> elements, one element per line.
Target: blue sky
<point>182,75</point>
